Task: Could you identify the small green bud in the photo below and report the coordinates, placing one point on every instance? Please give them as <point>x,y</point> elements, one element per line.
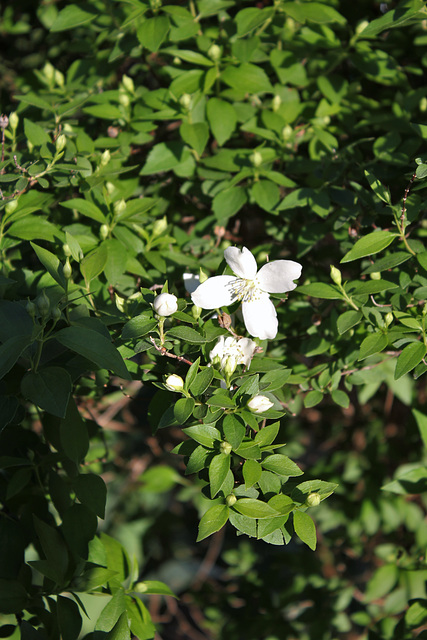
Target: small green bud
<point>225,448</point>
<point>202,276</point>
<point>60,143</point>
<point>49,72</point>
<point>31,308</point>
<point>124,99</point>
<point>66,249</point>
<point>11,206</point>
<point>43,304</point>
<point>56,314</point>
<point>110,187</point>
<point>336,275</point>
<point>361,26</point>
<point>160,226</point>
<point>59,78</point>
<point>185,100</point>
<point>140,587</point>
<point>174,383</point>
<point>13,120</point>
<point>287,132</point>
<point>67,128</point>
<point>230,500</point>
<point>105,158</point>
<point>388,319</point>
<point>30,146</point>
<point>375,275</point>
<point>313,499</point>
<point>423,104</point>
<point>104,231</point>
<point>276,102</point>
<point>67,270</point>
<point>196,311</point>
<point>214,52</point>
<point>128,84</point>
<point>177,60</point>
<point>119,207</point>
<point>256,159</point>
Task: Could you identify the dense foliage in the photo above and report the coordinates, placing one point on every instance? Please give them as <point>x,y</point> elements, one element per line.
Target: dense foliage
<point>139,142</point>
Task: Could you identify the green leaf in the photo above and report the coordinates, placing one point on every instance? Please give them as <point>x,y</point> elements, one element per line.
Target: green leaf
<point>373,343</point>
<point>54,549</point>
<point>95,347</point>
<point>392,19</point>
<point>183,409</point>
<point>228,202</point>
<point>416,615</point>
<point>138,326</point>
<point>369,287</point>
<point>347,320</point>
<point>10,352</point>
<point>421,421</point>
<point>203,434</point>
<point>49,388</point>
<point>305,529</point>
<point>267,434</point>
<point>313,12</point>
<point>90,489</point>
<point>111,612</point>
<point>73,434</point>
<point>140,621</point>
<point>221,400</point>
<point>13,596</point>
<point>247,78</point>
<point>218,470</point>
<point>164,157</point>
<point>202,381</point>
<point>86,208</point>
<point>155,587</point>
<point>104,111</point>
<point>312,398</point>
<point>222,119</point>
<point>71,17</point>
<point>411,355</point>
<point>115,265</point>
<point>186,334</point>
<point>382,582</point>
<point>69,618</point>
<point>320,290</point>
<point>35,228</point>
<point>370,244</point>
<point>282,465</point>
<point>213,520</point>
<point>266,194</point>
<point>234,430</point>
<point>93,264</point>
<point>249,19</point>
<point>253,508</point>
<point>121,630</point>
<point>195,135</point>
<point>51,263</point>
<point>340,398</point>
<point>378,188</point>
<point>35,133</point>
<point>251,472</point>
<point>274,380</point>
<point>152,32</point>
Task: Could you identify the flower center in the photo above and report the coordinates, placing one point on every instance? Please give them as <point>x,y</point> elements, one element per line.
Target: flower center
<point>246,290</point>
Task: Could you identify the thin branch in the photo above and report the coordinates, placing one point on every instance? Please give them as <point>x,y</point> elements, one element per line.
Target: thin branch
<point>164,352</point>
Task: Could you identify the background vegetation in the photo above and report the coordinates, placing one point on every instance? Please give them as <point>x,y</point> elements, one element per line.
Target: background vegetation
<point>139,140</point>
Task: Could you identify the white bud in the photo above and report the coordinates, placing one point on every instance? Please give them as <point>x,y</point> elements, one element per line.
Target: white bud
<point>165,304</point>
<point>287,132</point>
<point>259,404</point>
<point>256,159</point>
<point>124,99</point>
<point>105,158</point>
<point>11,206</point>
<point>185,100</point>
<point>49,72</point>
<point>336,275</point>
<point>60,143</point>
<point>174,383</point>
<point>225,448</point>
<point>13,120</point>
<point>160,226</point>
<point>214,52</point>
<point>276,102</point>
<point>128,84</point>
<point>119,207</point>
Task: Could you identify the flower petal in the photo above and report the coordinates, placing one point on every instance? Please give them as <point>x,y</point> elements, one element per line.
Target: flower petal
<point>214,292</point>
<point>260,318</point>
<point>278,276</point>
<point>241,262</point>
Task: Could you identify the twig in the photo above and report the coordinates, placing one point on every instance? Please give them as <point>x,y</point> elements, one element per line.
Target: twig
<point>405,196</point>
<point>379,305</point>
<point>164,352</point>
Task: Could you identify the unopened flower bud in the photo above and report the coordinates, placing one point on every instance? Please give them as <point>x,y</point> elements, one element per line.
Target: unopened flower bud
<point>160,226</point>
<point>361,26</point>
<point>4,121</point>
<point>336,275</point>
<point>313,499</point>
<point>49,72</point>
<point>165,304</point>
<point>60,143</point>
<point>174,383</point>
<point>375,275</point>
<point>31,308</point>
<point>128,84</point>
<point>259,404</point>
<point>202,276</point>
<point>196,311</point>
<point>105,158</point>
<point>104,231</point>
<point>30,146</point>
<point>230,500</point>
<point>177,60</point>
<point>287,132</point>
<point>66,249</point>
<point>185,100</point>
<point>110,187</point>
<point>214,52</point>
<point>67,270</point>
<point>67,128</point>
<point>230,365</point>
<point>256,159</point>
<point>225,448</point>
<point>43,304</point>
<point>59,78</point>
<point>276,102</point>
<point>388,319</point>
<point>423,104</point>
<point>56,314</point>
<point>11,206</point>
<point>14,120</point>
<point>119,207</point>
<point>140,587</point>
<point>124,99</point>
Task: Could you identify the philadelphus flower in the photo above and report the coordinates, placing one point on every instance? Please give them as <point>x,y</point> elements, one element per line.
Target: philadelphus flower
<point>259,404</point>
<point>251,288</point>
<point>165,304</point>
<point>229,352</point>
<point>174,382</point>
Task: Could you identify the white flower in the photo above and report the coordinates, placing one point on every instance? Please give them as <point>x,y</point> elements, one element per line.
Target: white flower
<point>229,352</point>
<point>174,382</point>
<point>259,404</point>
<point>165,304</point>
<point>251,287</point>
